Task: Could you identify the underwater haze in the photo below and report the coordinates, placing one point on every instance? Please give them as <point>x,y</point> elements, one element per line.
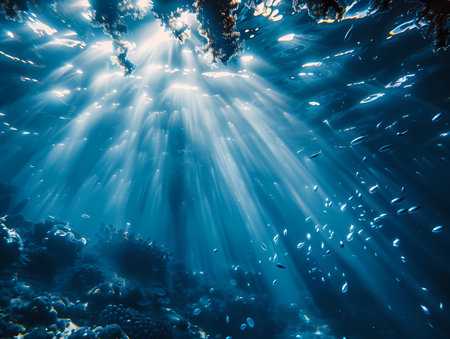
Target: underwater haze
<point>224,169</point>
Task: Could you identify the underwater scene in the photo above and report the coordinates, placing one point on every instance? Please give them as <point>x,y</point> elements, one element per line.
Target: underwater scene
<point>224,169</point>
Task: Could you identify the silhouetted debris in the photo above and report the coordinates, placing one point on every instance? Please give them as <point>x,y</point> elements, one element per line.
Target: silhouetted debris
<point>218,25</point>
<point>436,14</point>
<point>321,9</point>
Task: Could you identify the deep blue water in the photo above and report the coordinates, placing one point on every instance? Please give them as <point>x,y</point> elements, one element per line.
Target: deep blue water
<point>311,168</point>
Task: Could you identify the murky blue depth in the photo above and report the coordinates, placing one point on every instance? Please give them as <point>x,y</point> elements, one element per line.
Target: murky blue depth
<point>317,159</point>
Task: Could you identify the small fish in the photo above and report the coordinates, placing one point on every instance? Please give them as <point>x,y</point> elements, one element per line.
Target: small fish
<point>315,155</point>
<point>243,326</point>
<point>275,239</point>
<point>85,216</point>
<point>341,244</point>
<point>348,34</point>
<point>300,244</point>
<point>402,211</point>
<point>264,246</point>
<point>437,117</point>
<point>250,322</point>
<point>197,311</point>
<point>414,209</point>
<point>281,266</point>
<point>378,218</point>
<point>425,310</point>
<point>397,200</point>
<point>438,229</point>
<point>357,140</point>
<point>215,250</point>
<point>402,133</point>
<point>385,148</point>
<point>344,287</point>
<point>396,243</point>
<point>373,189</point>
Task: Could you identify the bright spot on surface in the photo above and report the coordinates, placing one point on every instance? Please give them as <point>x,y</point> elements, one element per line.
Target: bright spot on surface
<point>313,64</point>
<point>217,75</point>
<point>247,58</point>
<point>403,27</point>
<point>105,46</point>
<point>184,87</point>
<point>81,4</point>
<point>40,28</point>
<point>287,37</point>
<point>143,4</point>
<point>371,98</point>
<point>61,93</point>
<point>67,42</point>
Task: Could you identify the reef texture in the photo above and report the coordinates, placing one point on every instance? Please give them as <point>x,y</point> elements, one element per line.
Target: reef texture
<point>57,284</point>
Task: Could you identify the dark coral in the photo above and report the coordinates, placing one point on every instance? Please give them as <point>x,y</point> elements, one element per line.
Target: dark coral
<point>84,277</point>
<point>83,333</point>
<point>134,257</point>
<point>38,333</point>
<point>11,246</point>
<point>133,323</point>
<point>110,332</point>
<point>53,247</point>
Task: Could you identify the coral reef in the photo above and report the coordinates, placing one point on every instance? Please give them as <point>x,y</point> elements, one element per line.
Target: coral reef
<point>57,284</point>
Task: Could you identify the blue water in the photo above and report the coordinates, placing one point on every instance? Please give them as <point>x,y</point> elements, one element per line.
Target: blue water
<point>284,162</point>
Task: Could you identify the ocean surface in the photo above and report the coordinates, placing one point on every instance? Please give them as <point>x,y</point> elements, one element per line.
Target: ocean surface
<point>296,187</point>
